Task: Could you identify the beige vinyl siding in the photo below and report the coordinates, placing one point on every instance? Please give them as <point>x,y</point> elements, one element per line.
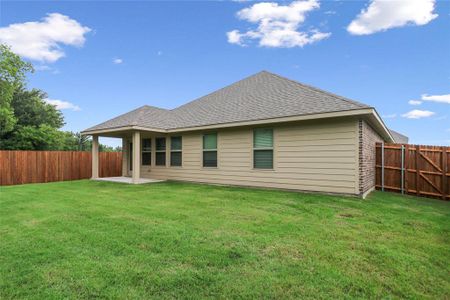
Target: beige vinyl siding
<point>311,156</point>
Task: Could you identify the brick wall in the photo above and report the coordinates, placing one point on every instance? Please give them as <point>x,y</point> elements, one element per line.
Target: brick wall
<point>367,139</point>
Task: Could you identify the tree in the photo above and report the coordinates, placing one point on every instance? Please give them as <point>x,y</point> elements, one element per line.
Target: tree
<point>101,147</point>
<point>30,109</point>
<point>36,124</point>
<point>27,121</point>
<point>83,142</point>
<point>12,76</point>
<point>42,137</point>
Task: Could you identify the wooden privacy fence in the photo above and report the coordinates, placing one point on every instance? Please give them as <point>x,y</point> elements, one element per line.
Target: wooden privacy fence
<point>19,167</point>
<point>413,169</point>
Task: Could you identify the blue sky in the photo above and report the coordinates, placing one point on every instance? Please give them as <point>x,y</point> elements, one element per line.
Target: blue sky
<point>111,57</point>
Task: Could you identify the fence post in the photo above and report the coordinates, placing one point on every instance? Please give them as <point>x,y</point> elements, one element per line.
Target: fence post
<point>403,170</point>
<point>417,169</point>
<point>382,166</point>
<point>406,167</point>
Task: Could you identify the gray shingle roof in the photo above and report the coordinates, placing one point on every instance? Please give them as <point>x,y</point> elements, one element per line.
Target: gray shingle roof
<point>136,117</point>
<point>261,96</point>
<point>398,137</point>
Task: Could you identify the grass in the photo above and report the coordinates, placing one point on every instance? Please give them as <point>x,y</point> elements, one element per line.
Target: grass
<point>86,239</point>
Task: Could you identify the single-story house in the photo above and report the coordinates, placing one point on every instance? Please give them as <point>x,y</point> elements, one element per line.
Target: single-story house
<point>263,131</point>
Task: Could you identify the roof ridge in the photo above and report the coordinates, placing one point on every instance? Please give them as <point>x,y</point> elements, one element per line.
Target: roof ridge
<point>142,115</point>
<point>140,111</point>
<point>320,90</point>
<point>131,111</point>
<point>152,106</point>
<point>216,91</point>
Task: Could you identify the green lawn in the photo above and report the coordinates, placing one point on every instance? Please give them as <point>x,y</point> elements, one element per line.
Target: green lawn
<point>86,239</point>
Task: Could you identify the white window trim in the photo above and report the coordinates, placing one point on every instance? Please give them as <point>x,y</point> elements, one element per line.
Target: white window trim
<point>263,148</point>
<point>210,150</point>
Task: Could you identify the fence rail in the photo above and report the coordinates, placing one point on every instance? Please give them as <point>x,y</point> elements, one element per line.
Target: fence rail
<point>19,167</point>
<point>414,169</point>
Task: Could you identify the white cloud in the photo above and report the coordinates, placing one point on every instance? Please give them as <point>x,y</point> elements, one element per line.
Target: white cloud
<point>382,15</point>
<point>117,61</point>
<point>42,40</point>
<point>414,102</point>
<point>46,68</point>
<point>59,104</point>
<point>277,25</point>
<point>437,98</point>
<point>418,114</point>
<point>234,37</point>
<point>391,116</point>
<point>42,68</point>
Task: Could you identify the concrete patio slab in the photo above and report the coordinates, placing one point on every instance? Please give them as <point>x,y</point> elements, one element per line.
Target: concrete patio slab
<point>128,180</point>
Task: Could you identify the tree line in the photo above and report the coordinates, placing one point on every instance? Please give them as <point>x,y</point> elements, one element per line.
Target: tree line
<point>27,122</point>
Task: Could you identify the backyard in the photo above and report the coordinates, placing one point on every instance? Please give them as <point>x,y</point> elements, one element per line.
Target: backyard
<point>86,239</point>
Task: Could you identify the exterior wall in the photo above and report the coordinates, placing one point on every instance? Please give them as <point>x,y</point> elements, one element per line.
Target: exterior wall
<point>367,139</point>
<point>310,156</point>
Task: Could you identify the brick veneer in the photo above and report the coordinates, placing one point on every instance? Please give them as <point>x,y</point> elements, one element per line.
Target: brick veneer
<point>367,139</point>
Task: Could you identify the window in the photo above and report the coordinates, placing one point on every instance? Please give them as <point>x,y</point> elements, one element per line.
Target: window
<point>263,148</point>
<point>210,150</point>
<point>175,151</point>
<point>160,152</point>
<point>146,152</point>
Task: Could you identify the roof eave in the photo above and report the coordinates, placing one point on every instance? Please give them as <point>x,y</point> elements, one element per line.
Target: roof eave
<point>370,113</point>
<point>121,128</point>
<point>379,125</point>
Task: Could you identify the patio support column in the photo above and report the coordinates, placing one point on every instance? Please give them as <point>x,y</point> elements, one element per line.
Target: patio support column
<point>136,156</point>
<point>125,157</point>
<point>94,156</point>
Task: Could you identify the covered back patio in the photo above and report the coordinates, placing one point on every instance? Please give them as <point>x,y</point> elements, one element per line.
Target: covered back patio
<point>131,154</point>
